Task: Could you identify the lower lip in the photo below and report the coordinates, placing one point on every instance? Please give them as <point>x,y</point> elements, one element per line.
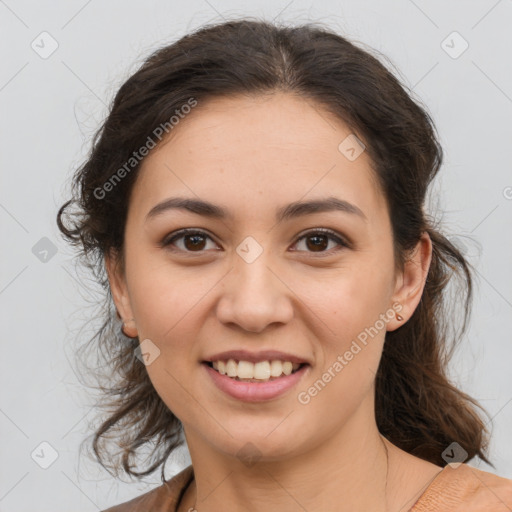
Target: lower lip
<point>255,391</point>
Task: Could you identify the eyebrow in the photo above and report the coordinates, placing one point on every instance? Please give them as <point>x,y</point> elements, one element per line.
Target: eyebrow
<point>289,211</point>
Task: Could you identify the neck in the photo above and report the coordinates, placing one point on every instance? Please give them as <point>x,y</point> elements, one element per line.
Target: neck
<point>350,468</point>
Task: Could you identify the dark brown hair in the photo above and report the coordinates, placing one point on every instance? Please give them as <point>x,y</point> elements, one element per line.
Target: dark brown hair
<point>417,408</point>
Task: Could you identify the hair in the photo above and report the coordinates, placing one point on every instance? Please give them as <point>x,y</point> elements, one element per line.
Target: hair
<point>417,408</point>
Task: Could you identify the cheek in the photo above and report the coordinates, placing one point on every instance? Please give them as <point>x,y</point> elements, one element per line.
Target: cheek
<point>350,333</point>
<point>168,316</point>
<point>345,300</point>
<point>348,355</point>
<point>164,296</point>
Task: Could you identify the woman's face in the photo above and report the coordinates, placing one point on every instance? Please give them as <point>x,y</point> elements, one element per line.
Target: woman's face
<point>262,277</point>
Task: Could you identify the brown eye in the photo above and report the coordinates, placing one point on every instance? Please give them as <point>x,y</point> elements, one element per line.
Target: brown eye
<point>318,241</point>
<point>193,240</point>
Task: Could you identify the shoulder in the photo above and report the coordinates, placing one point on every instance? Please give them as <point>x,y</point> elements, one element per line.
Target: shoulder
<point>161,499</point>
<point>466,489</point>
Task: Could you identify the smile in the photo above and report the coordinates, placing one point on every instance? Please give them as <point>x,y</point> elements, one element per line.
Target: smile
<point>262,371</point>
<point>255,382</point>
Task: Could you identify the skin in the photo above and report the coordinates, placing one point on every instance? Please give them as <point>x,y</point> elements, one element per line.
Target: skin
<point>252,155</point>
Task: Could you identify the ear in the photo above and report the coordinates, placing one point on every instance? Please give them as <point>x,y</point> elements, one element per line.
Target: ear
<point>411,282</point>
<point>119,291</point>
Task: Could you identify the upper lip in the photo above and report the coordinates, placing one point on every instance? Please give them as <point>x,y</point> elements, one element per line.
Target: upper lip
<point>255,357</point>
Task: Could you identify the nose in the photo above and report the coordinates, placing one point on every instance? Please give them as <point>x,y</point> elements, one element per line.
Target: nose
<point>254,296</point>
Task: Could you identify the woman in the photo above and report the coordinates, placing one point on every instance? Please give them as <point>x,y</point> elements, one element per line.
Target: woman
<point>254,208</point>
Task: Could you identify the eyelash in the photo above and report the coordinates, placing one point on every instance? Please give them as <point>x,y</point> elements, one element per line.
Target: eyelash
<point>332,235</point>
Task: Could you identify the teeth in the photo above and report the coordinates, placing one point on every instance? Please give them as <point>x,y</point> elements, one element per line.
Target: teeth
<point>263,370</point>
<point>245,370</point>
<point>276,368</point>
<point>232,368</point>
<point>287,367</point>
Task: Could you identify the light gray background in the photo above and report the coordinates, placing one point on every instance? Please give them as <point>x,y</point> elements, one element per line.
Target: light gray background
<point>50,108</point>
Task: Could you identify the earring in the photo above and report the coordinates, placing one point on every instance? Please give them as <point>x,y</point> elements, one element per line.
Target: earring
<point>398,316</point>
<point>122,328</point>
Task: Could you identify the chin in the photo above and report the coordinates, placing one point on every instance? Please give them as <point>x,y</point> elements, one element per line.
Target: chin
<point>263,445</point>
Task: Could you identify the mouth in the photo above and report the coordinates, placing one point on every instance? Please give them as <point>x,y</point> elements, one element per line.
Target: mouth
<point>259,381</point>
<point>261,371</point>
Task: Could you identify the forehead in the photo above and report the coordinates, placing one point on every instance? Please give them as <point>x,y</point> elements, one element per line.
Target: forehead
<point>255,154</point>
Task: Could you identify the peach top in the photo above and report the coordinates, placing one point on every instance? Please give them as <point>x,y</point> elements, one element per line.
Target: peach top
<point>453,489</point>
